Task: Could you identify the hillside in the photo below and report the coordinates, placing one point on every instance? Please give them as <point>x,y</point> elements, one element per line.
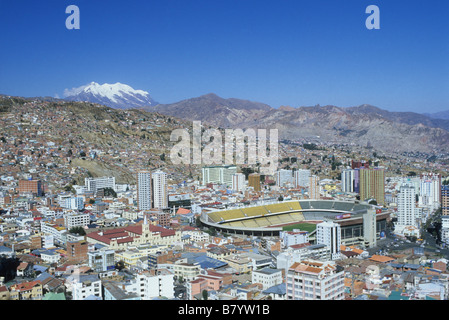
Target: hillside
<point>68,141</point>
<point>362,125</point>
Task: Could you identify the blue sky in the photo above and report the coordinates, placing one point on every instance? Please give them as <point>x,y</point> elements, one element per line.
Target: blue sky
<point>296,53</point>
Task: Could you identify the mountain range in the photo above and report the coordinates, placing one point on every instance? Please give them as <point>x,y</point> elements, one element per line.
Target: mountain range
<point>363,125</point>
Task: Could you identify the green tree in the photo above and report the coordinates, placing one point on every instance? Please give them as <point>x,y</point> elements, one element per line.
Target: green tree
<point>78,230</point>
<point>205,294</point>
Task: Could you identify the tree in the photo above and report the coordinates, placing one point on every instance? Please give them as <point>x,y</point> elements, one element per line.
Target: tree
<point>78,230</point>
<point>120,265</point>
<point>205,294</point>
<point>109,192</point>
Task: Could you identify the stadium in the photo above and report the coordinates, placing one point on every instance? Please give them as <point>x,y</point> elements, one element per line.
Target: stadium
<point>361,223</point>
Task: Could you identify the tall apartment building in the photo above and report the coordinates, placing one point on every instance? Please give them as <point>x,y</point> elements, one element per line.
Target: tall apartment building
<point>407,223</point>
<point>284,177</point>
<point>302,178</point>
<point>406,206</point>
<point>347,180</point>
<point>329,234</point>
<point>31,186</point>
<point>430,190</point>
<point>372,184</point>
<point>95,184</point>
<point>445,213</point>
<point>315,280</point>
<point>314,187</point>
<point>218,174</point>
<point>144,190</point>
<point>254,181</point>
<point>160,193</point>
<point>238,182</point>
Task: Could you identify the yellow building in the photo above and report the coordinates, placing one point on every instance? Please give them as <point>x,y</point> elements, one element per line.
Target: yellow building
<point>239,263</point>
<point>26,291</point>
<point>372,185</point>
<point>254,181</point>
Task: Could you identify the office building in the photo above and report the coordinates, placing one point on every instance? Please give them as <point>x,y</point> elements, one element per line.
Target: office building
<point>329,234</point>
<point>372,185</point>
<point>95,184</point>
<point>314,187</point>
<point>315,280</point>
<point>348,180</point>
<point>31,186</point>
<point>302,178</point>
<point>218,174</point>
<point>430,190</point>
<point>144,190</point>
<point>254,181</point>
<point>445,213</point>
<point>160,193</point>
<point>284,177</point>
<point>101,260</point>
<point>238,182</point>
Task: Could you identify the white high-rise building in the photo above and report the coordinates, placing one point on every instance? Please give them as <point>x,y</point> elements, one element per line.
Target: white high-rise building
<point>430,190</point>
<point>347,180</point>
<point>160,196</point>
<point>407,223</point>
<point>302,178</point>
<point>238,182</point>
<point>329,234</point>
<point>314,187</point>
<point>144,191</point>
<point>218,174</point>
<point>406,206</point>
<point>284,177</point>
<point>94,184</point>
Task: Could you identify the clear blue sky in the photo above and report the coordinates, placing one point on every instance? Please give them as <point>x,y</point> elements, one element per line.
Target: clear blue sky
<point>296,53</point>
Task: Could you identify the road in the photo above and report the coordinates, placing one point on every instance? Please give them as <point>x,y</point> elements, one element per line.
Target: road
<point>391,243</point>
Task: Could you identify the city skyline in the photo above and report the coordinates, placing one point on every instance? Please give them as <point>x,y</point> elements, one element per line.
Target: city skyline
<point>289,53</point>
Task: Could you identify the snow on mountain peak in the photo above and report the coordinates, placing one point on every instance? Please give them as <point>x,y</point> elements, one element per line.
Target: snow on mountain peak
<point>117,95</point>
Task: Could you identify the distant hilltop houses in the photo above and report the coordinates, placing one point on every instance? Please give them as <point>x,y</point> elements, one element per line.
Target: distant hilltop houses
<point>102,214</point>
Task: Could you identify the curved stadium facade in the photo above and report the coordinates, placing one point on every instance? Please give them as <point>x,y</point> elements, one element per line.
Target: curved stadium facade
<point>358,221</point>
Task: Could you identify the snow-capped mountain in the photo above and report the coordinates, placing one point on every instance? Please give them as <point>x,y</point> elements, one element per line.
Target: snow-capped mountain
<point>118,95</point>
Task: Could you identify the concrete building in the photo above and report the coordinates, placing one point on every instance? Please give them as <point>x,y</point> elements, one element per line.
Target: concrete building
<point>329,234</point>
<point>238,182</point>
<point>218,174</point>
<point>302,178</point>
<point>406,210</point>
<point>101,260</point>
<point>290,238</point>
<point>267,277</point>
<point>76,219</point>
<point>348,180</point>
<point>254,181</point>
<point>160,193</point>
<point>95,184</point>
<point>315,280</point>
<point>314,187</point>
<point>284,177</point>
<point>372,184</point>
<point>144,190</point>
<point>31,186</point>
<point>83,286</point>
